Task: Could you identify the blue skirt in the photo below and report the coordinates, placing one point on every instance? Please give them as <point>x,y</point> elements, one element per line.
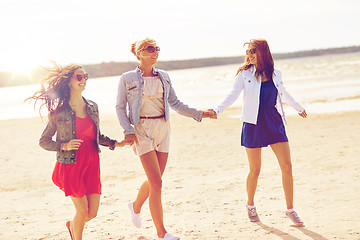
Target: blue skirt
<point>270,128</point>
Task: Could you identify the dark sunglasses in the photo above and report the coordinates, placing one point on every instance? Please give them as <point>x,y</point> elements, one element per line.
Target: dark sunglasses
<point>152,49</point>
<point>79,77</point>
<point>251,51</point>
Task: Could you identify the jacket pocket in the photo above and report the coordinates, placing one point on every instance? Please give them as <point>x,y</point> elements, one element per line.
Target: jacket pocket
<point>132,91</point>
<point>64,126</point>
<point>63,122</point>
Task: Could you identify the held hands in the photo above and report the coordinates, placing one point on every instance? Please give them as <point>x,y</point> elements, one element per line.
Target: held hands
<point>130,139</point>
<point>303,114</point>
<point>74,144</point>
<point>210,113</point>
<point>122,143</point>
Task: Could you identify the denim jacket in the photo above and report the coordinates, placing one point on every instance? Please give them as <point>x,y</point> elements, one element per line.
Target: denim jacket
<point>63,123</point>
<point>129,99</point>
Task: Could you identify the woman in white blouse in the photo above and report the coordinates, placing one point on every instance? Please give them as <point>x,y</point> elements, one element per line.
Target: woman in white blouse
<point>263,117</point>
<point>144,97</point>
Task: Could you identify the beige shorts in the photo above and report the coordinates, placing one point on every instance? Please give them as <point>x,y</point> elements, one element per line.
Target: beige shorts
<point>152,134</point>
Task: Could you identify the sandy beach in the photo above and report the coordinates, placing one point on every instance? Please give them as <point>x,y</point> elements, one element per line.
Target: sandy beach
<point>204,193</point>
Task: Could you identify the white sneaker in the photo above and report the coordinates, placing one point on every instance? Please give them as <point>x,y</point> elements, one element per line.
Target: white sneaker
<point>253,216</point>
<point>136,218</point>
<point>295,218</point>
<point>169,236</point>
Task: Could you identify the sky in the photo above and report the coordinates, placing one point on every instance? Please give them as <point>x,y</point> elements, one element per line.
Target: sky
<point>94,31</point>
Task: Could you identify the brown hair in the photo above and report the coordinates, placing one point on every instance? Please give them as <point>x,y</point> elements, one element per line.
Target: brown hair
<point>55,90</point>
<point>136,47</point>
<point>265,63</point>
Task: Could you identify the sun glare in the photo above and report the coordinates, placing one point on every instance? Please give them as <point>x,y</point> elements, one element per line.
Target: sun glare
<point>21,71</point>
<point>27,60</point>
<point>19,67</point>
<point>22,51</point>
<point>21,64</point>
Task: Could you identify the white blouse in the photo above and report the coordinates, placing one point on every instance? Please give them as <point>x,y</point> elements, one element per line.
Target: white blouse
<point>153,97</point>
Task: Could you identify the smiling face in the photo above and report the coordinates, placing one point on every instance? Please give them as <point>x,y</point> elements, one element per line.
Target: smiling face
<point>251,53</point>
<point>76,85</point>
<point>149,57</point>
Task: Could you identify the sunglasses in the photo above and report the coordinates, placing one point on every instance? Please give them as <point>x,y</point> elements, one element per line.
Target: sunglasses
<point>152,49</point>
<point>251,51</point>
<point>80,77</point>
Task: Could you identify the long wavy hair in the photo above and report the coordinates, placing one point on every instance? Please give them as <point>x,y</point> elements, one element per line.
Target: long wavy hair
<point>55,90</point>
<point>265,62</point>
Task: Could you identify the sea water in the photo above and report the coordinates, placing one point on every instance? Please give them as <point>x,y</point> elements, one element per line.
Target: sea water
<point>329,83</point>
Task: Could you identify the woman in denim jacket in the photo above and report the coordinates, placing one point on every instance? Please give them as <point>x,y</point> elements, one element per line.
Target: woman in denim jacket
<point>263,116</point>
<point>75,120</point>
<point>147,94</point>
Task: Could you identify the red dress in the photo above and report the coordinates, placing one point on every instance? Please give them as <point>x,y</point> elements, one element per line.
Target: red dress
<point>83,177</point>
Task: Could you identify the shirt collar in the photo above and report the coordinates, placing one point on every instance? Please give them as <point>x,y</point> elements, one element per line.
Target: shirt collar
<point>154,70</point>
<point>253,70</point>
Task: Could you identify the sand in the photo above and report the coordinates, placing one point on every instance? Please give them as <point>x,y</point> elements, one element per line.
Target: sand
<point>204,193</point>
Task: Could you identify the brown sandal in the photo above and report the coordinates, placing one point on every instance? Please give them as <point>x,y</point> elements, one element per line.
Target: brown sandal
<point>68,227</point>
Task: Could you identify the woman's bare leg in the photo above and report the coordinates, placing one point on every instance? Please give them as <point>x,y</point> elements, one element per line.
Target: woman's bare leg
<point>152,169</point>
<point>86,209</point>
<point>282,152</point>
<point>93,206</point>
<point>254,157</point>
<point>78,222</point>
<point>143,193</point>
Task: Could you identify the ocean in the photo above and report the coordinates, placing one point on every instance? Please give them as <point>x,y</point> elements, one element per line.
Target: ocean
<point>322,84</point>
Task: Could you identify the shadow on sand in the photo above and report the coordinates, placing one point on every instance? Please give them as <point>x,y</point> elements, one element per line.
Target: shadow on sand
<point>287,236</point>
<point>312,234</point>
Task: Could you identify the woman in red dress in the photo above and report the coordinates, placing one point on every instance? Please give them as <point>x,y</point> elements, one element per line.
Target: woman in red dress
<point>75,120</point>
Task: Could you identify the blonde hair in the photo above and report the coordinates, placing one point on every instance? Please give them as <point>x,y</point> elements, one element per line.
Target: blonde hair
<point>136,47</point>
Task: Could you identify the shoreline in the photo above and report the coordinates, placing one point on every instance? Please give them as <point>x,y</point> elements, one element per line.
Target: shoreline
<point>204,192</point>
<point>117,68</point>
<point>236,110</point>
